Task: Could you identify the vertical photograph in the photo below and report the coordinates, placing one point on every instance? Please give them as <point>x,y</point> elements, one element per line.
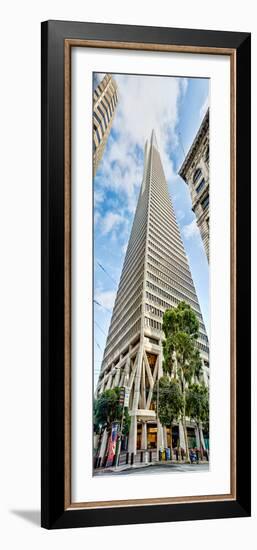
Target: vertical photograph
<point>151,189</point>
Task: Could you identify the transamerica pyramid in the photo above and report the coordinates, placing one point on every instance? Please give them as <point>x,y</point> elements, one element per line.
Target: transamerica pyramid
<point>155,276</point>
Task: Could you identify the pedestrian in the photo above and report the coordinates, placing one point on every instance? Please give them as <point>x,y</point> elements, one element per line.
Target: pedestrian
<point>192,456</point>
<point>182,453</point>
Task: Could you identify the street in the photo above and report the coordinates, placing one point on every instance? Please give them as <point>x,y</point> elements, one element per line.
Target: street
<point>157,468</point>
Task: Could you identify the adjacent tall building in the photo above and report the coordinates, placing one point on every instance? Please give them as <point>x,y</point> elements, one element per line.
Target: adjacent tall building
<point>195,172</point>
<point>105,102</point>
<point>155,276</point>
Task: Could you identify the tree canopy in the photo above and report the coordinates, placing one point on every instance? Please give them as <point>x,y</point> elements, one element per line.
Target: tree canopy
<point>181,355</point>
<point>170,400</point>
<point>182,360</point>
<point>107,409</point>
<point>197,403</point>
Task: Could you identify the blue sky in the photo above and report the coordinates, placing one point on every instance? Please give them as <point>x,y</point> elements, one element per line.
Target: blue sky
<point>174,107</point>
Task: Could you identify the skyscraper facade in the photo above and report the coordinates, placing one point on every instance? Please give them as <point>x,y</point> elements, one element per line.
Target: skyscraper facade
<point>155,276</point>
<point>195,172</point>
<point>105,102</point>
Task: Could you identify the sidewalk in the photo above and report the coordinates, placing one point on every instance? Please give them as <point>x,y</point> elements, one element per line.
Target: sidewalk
<point>141,465</point>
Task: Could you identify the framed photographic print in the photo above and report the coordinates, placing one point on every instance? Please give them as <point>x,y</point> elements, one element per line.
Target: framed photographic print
<point>145,274</point>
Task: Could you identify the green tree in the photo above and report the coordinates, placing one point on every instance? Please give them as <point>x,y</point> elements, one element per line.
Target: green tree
<point>107,410</point>
<point>168,396</point>
<point>181,356</point>
<point>197,407</point>
<point>126,422</point>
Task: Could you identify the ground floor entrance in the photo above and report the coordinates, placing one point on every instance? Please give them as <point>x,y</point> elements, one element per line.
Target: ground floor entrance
<point>147,440</point>
<point>147,435</point>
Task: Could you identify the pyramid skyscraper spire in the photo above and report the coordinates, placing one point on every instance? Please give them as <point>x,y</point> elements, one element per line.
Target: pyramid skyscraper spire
<point>155,276</point>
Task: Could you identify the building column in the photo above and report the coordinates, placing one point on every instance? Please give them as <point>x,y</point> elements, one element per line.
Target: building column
<point>182,442</point>
<point>126,372</point>
<point>202,439</point>
<point>132,443</point>
<point>160,439</point>
<point>165,436</point>
<point>144,436</point>
<point>103,445</point>
<point>116,378</point>
<point>109,381</point>
<point>136,395</point>
<point>197,438</point>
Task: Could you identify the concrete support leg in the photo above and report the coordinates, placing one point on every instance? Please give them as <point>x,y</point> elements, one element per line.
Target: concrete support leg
<point>197,438</point>
<point>103,444</point>
<point>132,445</point>
<point>160,439</point>
<point>109,382</point>
<point>144,436</point>
<point>165,436</point>
<point>182,442</point>
<point>202,439</point>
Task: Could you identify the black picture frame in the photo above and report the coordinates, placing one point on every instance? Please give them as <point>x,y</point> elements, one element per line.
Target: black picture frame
<point>54,514</point>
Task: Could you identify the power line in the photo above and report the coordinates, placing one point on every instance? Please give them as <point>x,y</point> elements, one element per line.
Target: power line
<point>98,345</point>
<point>106,272</point>
<point>101,305</point>
<point>104,333</point>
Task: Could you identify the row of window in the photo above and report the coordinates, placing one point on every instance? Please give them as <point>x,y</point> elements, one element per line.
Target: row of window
<point>169,262</point>
<point>129,276</point>
<point>131,332</point>
<point>154,310</point>
<point>172,272</point>
<point>163,236</point>
<point>167,240</point>
<point>116,335</point>
<point>133,251</point>
<point>202,347</point>
<point>171,265</point>
<point>166,305</point>
<point>125,314</point>
<point>171,289</point>
<point>171,231</point>
<point>205,202</point>
<point>152,323</point>
<point>172,282</point>
<point>157,204</point>
<point>121,303</point>
<point>200,186</point>
<point>161,292</point>
<point>103,113</point>
<point>159,301</point>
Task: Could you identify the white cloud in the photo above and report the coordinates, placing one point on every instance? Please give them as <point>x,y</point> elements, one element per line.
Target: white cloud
<point>180,214</point>
<point>98,196</point>
<point>111,221</point>
<point>190,230</point>
<point>144,103</point>
<point>105,298</point>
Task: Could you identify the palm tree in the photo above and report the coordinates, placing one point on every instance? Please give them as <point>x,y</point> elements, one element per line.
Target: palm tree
<point>181,356</point>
